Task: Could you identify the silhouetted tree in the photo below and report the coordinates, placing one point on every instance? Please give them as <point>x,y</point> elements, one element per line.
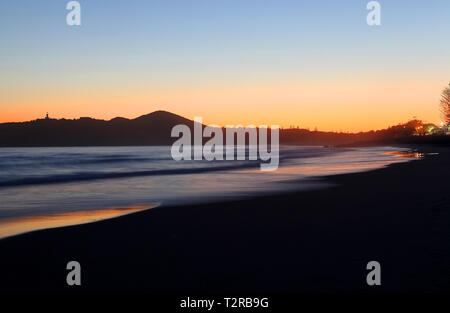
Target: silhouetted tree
<point>445,104</point>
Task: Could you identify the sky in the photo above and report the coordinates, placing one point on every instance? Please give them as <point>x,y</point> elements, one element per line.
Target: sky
<point>286,62</point>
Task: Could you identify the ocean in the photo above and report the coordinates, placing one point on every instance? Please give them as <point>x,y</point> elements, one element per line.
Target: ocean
<point>49,187</point>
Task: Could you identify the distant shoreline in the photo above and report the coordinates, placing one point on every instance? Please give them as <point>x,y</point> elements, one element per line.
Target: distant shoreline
<point>154,129</point>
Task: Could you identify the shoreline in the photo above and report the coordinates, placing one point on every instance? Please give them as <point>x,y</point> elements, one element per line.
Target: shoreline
<point>17,226</point>
<point>306,241</point>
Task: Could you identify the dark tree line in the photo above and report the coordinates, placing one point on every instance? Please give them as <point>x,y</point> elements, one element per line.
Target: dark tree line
<point>445,104</point>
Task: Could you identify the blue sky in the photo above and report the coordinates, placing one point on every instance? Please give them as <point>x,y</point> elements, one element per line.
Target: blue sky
<point>176,45</point>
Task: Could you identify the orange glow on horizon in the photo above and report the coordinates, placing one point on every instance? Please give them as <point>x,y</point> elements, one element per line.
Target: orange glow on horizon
<point>346,106</point>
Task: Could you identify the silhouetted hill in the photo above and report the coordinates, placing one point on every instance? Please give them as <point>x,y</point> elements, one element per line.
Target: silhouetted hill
<point>150,129</point>
<point>155,129</point>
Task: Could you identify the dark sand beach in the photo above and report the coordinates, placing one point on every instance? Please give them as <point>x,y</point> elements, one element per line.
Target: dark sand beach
<point>313,241</point>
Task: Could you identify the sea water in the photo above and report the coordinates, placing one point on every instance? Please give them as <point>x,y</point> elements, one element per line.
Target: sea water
<point>47,183</point>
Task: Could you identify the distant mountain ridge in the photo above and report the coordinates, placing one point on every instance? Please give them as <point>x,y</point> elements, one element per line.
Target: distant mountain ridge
<point>149,129</point>
<point>155,129</point>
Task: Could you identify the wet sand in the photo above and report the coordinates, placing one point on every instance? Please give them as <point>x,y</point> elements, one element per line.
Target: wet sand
<point>20,225</point>
<point>311,241</point>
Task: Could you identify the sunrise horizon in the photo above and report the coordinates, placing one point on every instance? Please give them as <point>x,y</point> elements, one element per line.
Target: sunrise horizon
<point>267,66</point>
<point>210,121</point>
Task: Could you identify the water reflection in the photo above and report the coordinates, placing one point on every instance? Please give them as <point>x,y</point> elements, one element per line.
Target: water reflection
<point>14,226</point>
